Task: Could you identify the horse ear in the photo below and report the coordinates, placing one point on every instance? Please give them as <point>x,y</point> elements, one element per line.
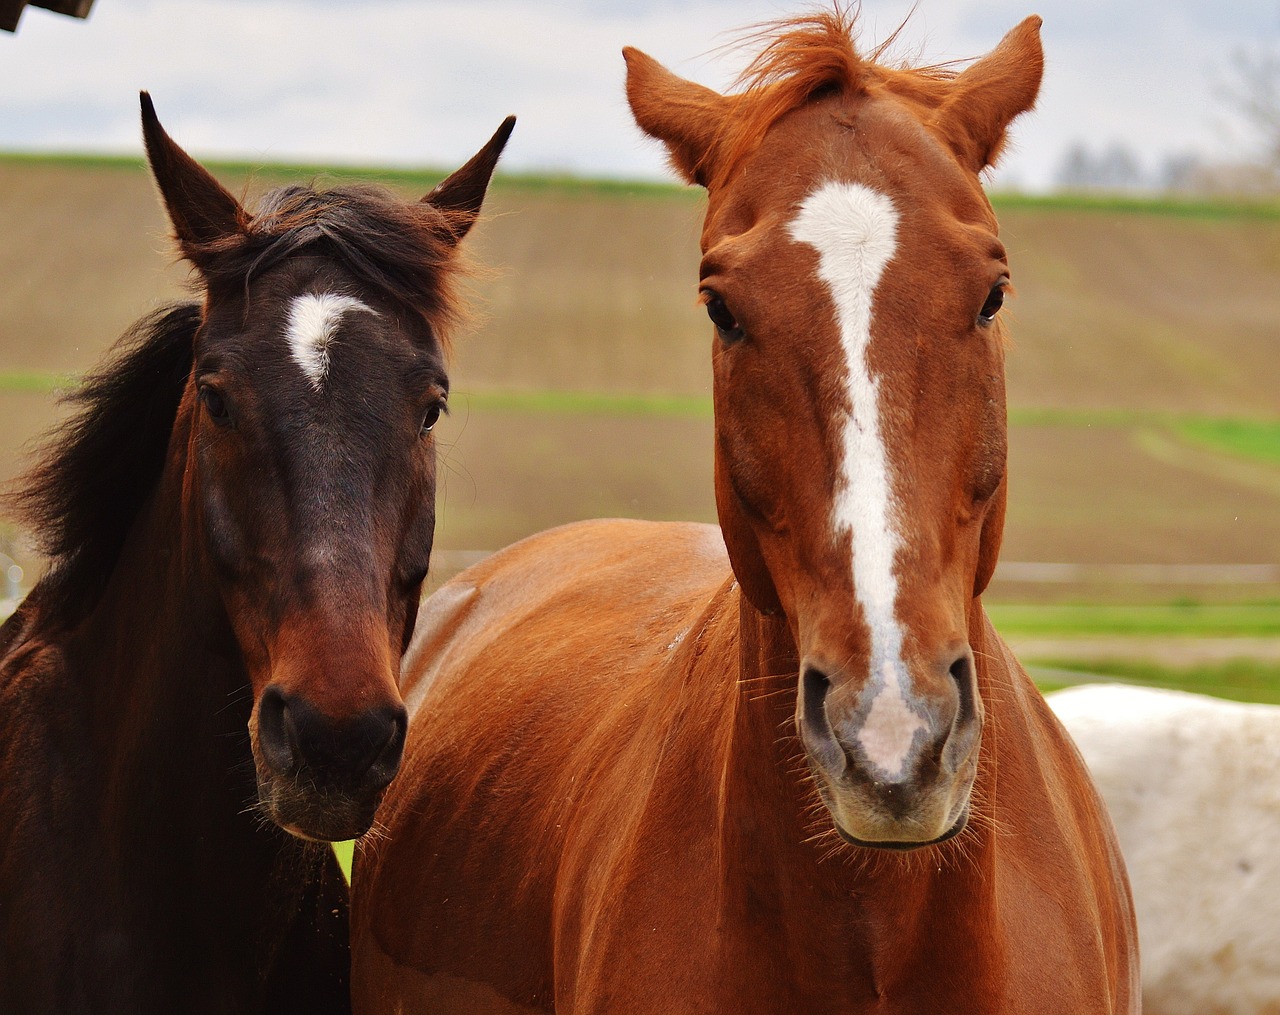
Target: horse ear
<point>461,194</point>
<point>987,96</point>
<point>684,116</point>
<point>199,208</point>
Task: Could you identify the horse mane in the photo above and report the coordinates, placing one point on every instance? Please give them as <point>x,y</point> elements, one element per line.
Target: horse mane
<point>406,250</point>
<point>97,469</point>
<point>802,59</point>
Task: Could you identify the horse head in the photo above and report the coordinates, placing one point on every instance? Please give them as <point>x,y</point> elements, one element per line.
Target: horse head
<point>309,485</point>
<point>853,273</point>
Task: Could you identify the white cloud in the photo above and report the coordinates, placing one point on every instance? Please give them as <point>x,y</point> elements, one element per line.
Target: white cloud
<point>405,82</point>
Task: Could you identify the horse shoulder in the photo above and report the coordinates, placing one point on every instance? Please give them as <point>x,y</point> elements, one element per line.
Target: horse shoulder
<point>637,876</point>
<point>542,716</point>
<point>42,743</point>
<point>48,855</point>
<point>1062,875</point>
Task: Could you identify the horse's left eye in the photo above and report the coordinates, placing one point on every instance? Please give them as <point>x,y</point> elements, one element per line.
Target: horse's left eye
<point>995,300</point>
<point>432,418</point>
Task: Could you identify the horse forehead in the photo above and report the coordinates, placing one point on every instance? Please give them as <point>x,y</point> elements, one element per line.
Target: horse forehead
<point>876,139</point>
<point>854,229</point>
<point>312,324</point>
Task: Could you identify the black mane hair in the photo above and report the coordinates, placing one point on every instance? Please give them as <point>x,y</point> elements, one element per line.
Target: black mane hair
<point>406,250</point>
<point>97,469</point>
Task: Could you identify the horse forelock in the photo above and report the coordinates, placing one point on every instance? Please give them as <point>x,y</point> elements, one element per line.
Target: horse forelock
<point>800,60</point>
<point>403,250</point>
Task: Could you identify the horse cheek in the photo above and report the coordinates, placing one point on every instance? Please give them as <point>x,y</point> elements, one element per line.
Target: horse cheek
<point>740,539</point>
<point>990,539</point>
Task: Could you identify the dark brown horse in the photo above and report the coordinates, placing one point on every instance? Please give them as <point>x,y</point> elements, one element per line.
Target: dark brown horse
<point>637,781</point>
<point>240,516</point>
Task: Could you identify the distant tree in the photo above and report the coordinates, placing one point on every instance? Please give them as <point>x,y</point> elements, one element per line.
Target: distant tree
<point>1254,92</point>
<point>1118,169</point>
<point>1075,172</point>
<point>1181,173</point>
<point>1115,169</point>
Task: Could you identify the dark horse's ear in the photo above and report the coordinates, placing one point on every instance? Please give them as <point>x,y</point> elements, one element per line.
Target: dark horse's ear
<point>201,211</point>
<point>461,194</point>
<point>987,95</point>
<point>683,115</point>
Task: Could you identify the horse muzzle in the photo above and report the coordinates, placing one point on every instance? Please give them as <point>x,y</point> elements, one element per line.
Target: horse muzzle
<point>319,777</point>
<point>894,757</point>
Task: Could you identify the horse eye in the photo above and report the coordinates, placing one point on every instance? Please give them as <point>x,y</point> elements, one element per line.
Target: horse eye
<point>215,405</point>
<point>728,326</point>
<point>432,418</point>
<point>995,300</point>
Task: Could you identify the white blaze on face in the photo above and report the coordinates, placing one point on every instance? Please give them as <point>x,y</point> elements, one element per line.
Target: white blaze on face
<point>313,325</point>
<point>854,230</point>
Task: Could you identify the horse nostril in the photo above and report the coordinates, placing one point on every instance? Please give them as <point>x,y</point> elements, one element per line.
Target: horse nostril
<point>963,674</point>
<point>815,726</point>
<point>277,735</point>
<point>965,729</point>
<point>816,686</point>
<point>351,755</point>
<point>388,746</point>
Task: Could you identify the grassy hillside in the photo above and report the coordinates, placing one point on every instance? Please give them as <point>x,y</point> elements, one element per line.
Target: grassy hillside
<point>1120,305</point>
<point>1144,380</point>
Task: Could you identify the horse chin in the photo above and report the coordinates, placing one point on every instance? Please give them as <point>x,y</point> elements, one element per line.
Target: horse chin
<point>316,817</point>
<point>860,821</point>
<point>903,847</point>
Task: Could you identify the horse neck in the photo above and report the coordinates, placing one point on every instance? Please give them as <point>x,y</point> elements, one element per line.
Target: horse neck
<point>780,855</point>
<point>155,660</point>
<point>166,701</point>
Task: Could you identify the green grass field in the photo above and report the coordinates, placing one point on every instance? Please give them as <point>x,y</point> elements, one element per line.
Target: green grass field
<point>1175,620</point>
<point>1249,438</point>
<point>1237,679</point>
<point>1095,641</point>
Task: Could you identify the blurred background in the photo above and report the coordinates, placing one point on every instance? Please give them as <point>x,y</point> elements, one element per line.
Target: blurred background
<point>1140,205</point>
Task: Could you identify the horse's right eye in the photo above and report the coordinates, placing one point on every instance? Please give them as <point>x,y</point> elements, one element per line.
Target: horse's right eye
<point>215,405</point>
<point>722,317</point>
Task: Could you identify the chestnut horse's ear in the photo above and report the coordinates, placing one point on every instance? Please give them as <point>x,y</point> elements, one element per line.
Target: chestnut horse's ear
<point>684,116</point>
<point>199,208</point>
<point>987,96</point>
<point>461,194</point>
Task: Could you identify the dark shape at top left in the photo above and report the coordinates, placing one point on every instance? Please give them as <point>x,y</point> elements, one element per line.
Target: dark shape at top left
<point>11,10</point>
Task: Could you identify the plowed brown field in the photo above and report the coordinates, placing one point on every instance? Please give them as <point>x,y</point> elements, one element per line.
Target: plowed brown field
<point>1124,320</point>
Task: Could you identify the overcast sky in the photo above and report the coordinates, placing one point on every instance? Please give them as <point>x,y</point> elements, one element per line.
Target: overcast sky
<point>424,82</point>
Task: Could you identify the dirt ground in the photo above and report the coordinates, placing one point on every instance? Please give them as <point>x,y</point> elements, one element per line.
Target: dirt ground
<point>594,290</point>
<point>1077,494</point>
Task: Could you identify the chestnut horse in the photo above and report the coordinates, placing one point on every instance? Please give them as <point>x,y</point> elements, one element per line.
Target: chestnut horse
<point>240,516</point>
<point>637,781</point>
